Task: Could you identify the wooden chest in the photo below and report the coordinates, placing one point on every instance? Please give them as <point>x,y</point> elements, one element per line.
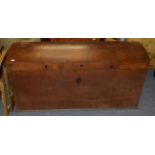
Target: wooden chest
<point>76,75</point>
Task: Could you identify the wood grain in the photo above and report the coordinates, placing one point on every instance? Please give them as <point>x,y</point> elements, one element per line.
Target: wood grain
<point>76,75</point>
<point>54,40</point>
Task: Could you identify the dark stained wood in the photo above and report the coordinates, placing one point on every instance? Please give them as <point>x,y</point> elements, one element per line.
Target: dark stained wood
<point>76,75</point>
<point>73,39</point>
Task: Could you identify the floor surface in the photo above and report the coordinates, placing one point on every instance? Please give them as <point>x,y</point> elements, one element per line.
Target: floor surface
<point>146,106</point>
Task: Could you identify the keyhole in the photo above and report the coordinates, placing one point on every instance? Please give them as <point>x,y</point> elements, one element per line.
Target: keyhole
<point>81,65</point>
<point>78,80</point>
<point>46,66</point>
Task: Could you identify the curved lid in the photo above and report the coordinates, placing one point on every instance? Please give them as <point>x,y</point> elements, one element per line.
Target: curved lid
<point>123,53</point>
